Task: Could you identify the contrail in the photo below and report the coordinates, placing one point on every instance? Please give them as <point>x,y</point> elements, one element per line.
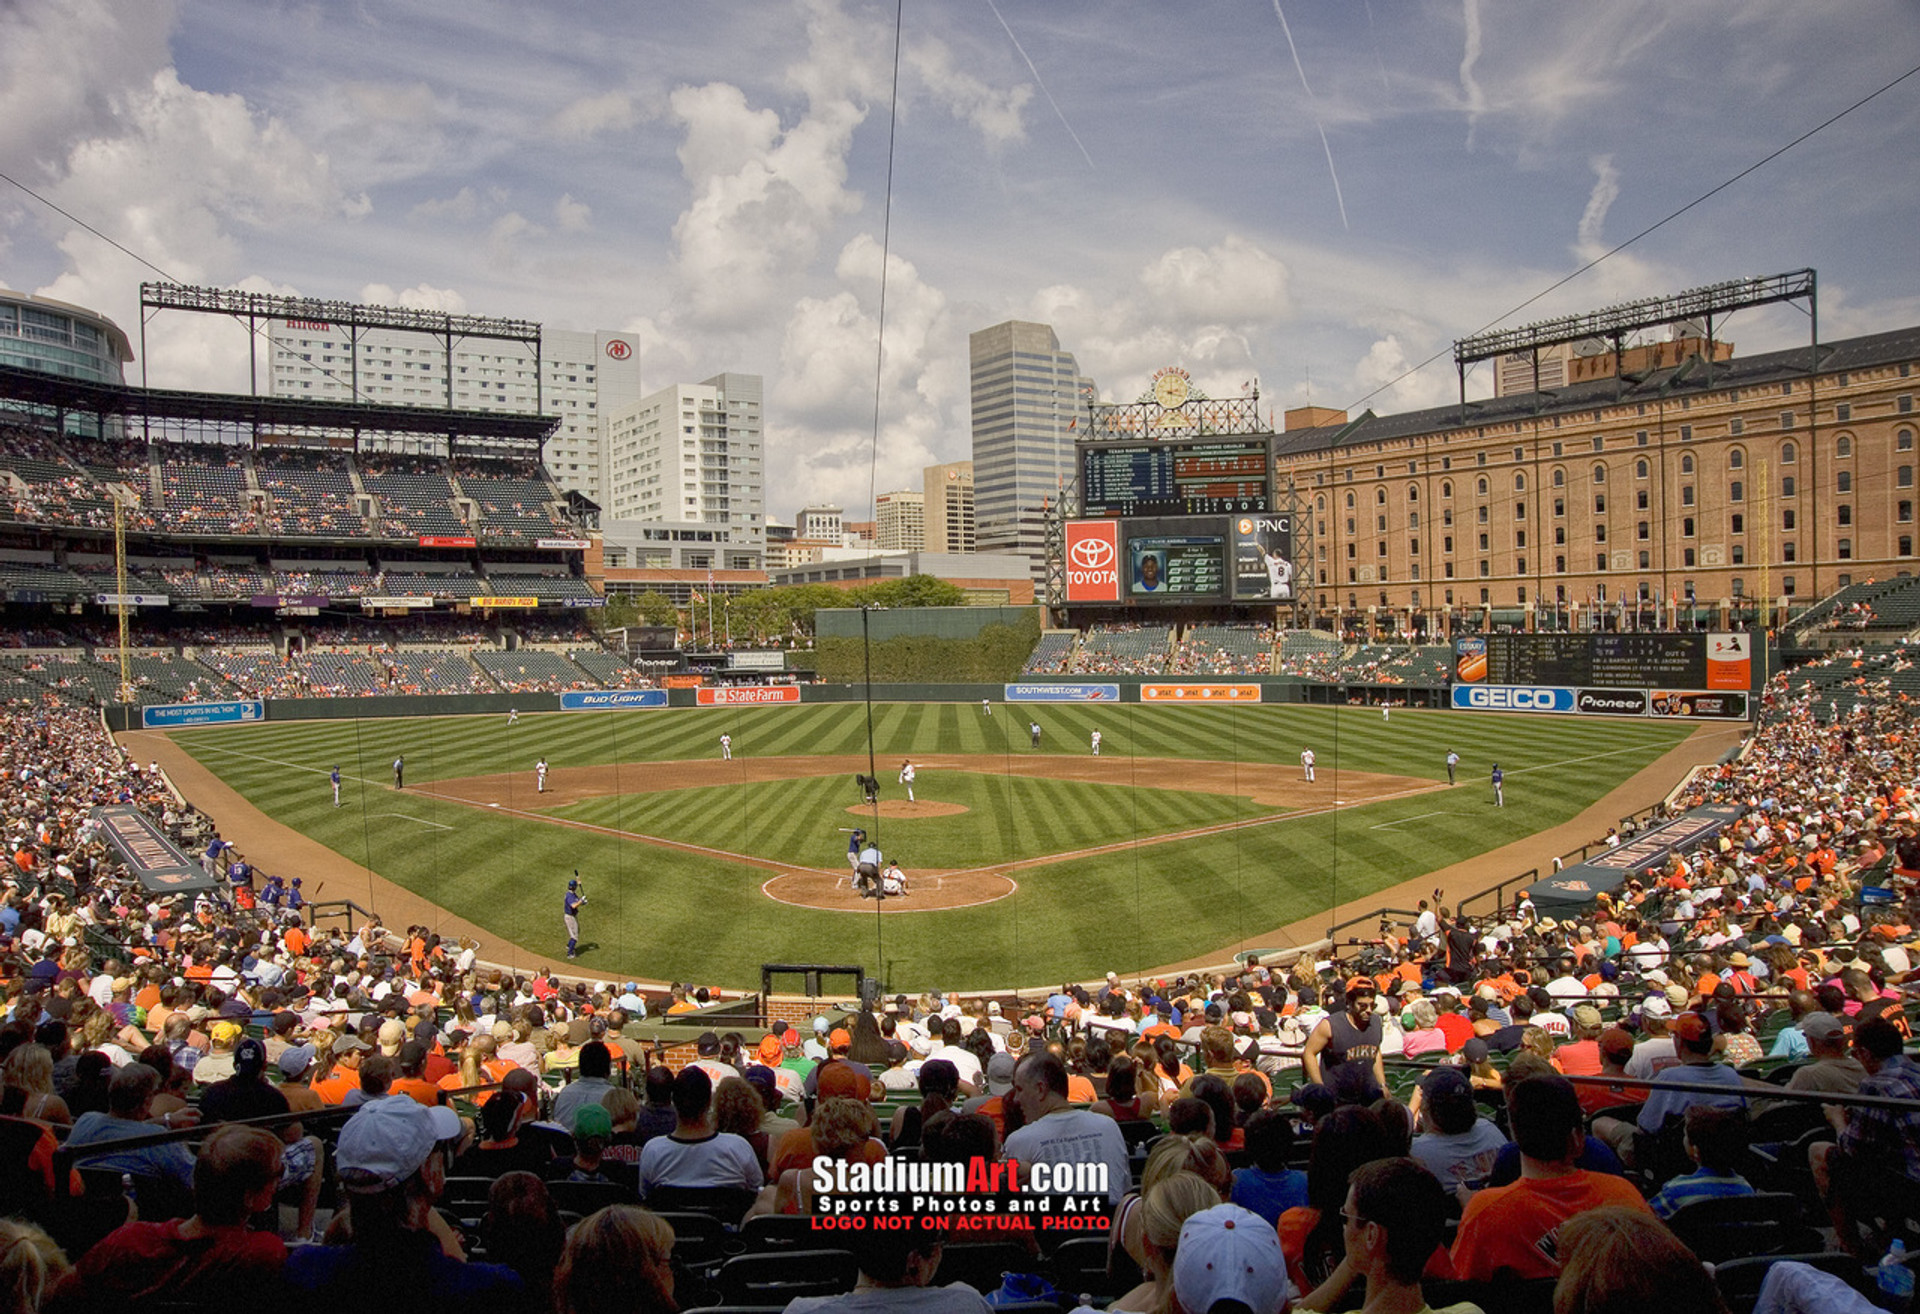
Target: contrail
<point>1301,70</point>
<point>1042,85</point>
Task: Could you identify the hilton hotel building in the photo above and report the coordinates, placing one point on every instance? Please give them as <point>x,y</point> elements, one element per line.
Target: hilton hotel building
<point>1691,480</point>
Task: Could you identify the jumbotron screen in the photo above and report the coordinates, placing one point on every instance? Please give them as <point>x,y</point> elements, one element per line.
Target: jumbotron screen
<point>1206,477</point>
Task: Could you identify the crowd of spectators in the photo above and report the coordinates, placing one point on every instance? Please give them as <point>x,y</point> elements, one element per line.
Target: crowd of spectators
<point>1124,648</point>
<point>1225,650</point>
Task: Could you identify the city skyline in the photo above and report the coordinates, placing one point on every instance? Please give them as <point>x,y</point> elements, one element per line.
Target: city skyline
<point>1317,198</point>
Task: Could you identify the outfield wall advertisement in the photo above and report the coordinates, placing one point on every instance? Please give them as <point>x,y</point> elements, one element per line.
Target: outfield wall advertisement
<point>1194,692</point>
<point>171,716</point>
<point>747,695</point>
<point>601,700</point>
<point>1700,705</point>
<point>1063,693</point>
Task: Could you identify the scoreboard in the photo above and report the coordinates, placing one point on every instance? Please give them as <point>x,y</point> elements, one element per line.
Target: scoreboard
<point>1176,478</point>
<point>1616,661</point>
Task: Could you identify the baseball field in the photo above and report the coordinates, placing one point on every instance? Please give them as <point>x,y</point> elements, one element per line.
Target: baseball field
<point>1192,830</point>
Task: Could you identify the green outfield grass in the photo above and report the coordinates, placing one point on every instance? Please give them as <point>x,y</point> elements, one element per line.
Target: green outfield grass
<point>671,915</point>
<point>1007,817</point>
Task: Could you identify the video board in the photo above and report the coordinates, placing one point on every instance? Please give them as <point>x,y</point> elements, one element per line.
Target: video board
<point>1202,477</point>
<point>1176,567</point>
<point>1607,661</point>
<point>1144,561</point>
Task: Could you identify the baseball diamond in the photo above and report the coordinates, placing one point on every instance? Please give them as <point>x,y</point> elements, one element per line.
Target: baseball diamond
<point>1191,833</point>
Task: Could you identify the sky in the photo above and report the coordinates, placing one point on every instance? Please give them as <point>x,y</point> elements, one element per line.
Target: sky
<point>1319,197</point>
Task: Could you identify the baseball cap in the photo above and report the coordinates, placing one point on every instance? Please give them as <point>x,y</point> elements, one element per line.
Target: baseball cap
<point>387,1140</point>
<point>1443,1082</point>
<point>295,1060</point>
<point>592,1120</point>
<point>412,1054</point>
<point>822,1026</point>
<point>770,1049</point>
<point>1586,1015</point>
<point>225,1033</point>
<point>1690,1027</point>
<point>839,1039</point>
<point>250,1056</point>
<point>1229,1253</point>
<point>1656,1006</point>
<point>1356,985</point>
<point>838,1080</point>
<point>1677,996</point>
<point>393,1032</point>
<point>1823,1026</point>
<point>1000,1074</point>
<point>350,1044</point>
<point>1476,1050</point>
<point>1617,1042</point>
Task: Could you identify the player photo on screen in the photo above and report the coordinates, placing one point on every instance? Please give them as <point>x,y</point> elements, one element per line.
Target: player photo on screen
<point>1149,570</point>
<point>1263,557</point>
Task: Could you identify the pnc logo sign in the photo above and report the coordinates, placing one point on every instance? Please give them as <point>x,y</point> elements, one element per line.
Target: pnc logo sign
<point>1093,561</point>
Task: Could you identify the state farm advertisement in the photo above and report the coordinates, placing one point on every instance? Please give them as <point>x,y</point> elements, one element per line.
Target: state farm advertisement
<point>1093,561</point>
<point>747,695</point>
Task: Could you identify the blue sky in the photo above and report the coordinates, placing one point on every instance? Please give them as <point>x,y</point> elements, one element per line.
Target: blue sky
<point>1165,184</point>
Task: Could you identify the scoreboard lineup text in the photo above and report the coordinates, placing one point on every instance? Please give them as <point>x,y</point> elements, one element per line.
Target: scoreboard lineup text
<point>1620,661</point>
<point>1176,478</point>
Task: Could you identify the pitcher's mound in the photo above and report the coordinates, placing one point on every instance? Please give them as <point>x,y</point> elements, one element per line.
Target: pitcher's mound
<point>899,807</point>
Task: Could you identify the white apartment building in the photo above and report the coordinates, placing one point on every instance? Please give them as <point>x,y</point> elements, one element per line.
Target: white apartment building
<point>582,379</point>
<point>692,454</point>
<point>900,521</point>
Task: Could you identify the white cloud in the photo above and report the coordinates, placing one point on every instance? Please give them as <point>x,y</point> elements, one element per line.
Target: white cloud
<point>611,111</point>
<point>571,216</point>
<point>1606,189</point>
<point>997,114</point>
<point>420,296</point>
<point>62,66</point>
<point>463,206</point>
<point>1382,374</point>
<point>1234,280</point>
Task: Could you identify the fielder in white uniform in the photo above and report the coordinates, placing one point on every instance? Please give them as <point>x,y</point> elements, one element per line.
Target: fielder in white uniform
<point>986,708</point>
<point>1096,743</point>
<point>540,776</point>
<point>1306,763</point>
<point>906,778</point>
<point>726,747</point>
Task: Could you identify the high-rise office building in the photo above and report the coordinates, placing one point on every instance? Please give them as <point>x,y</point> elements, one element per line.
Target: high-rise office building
<point>900,521</point>
<point>692,454</point>
<point>1028,399</point>
<point>582,378</point>
<point>947,494</point>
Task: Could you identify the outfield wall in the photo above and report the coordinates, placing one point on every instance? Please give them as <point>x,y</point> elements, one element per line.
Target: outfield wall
<point>1124,689</point>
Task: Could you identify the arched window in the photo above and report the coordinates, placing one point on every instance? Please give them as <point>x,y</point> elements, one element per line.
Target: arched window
<point>1320,503</point>
<point>1413,492</point>
<point>1737,459</point>
<point>1640,469</point>
<point>1480,486</point>
<point>1446,488</point>
<point>1519,483</point>
<point>1843,446</point>
<point>1686,464</point>
<point>1599,473</point>
<point>1350,502</point>
<point>1559,477</point>
<point>1379,497</point>
<point>1788,454</point>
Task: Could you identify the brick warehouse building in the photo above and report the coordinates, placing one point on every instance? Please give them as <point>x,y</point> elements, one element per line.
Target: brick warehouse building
<point>1692,479</point>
